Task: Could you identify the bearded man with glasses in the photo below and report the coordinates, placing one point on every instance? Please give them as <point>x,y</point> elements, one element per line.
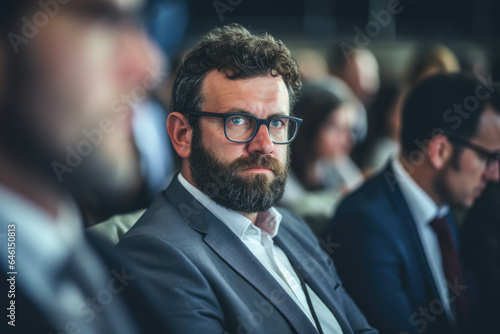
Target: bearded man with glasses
<point>212,244</point>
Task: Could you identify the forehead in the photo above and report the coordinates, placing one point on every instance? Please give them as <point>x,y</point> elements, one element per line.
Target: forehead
<point>262,95</point>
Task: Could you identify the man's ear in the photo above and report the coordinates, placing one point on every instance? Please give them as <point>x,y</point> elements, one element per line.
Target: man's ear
<point>180,133</point>
<point>439,150</point>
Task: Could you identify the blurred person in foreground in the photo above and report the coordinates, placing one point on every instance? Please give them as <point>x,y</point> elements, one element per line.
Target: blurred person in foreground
<point>212,243</point>
<point>399,245</point>
<point>136,160</point>
<point>318,177</point>
<point>58,81</point>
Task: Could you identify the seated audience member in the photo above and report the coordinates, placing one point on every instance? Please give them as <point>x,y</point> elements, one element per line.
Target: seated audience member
<point>384,123</point>
<point>53,87</point>
<point>313,65</point>
<point>429,60</point>
<point>320,156</point>
<point>398,254</point>
<point>360,71</point>
<point>212,243</point>
<point>480,234</point>
<point>359,127</point>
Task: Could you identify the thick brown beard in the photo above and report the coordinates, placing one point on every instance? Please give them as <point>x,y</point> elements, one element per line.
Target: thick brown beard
<point>223,184</point>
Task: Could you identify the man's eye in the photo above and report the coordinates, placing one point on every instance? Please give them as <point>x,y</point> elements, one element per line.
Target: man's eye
<point>237,120</point>
<point>277,123</point>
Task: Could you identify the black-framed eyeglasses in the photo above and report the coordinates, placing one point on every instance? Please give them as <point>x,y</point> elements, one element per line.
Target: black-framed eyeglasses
<point>490,157</point>
<point>242,128</point>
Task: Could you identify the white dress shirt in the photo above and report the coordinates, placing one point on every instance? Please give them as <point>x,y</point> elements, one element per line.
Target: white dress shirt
<point>259,240</point>
<point>424,210</point>
<point>43,245</point>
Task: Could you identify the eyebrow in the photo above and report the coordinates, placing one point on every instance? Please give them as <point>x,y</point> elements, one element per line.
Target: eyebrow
<point>241,111</point>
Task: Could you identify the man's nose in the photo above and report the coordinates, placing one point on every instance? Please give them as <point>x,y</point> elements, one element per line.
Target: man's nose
<point>261,143</point>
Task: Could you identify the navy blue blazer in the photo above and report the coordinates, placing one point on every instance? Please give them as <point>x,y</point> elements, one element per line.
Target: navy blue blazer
<point>381,259</point>
<point>210,282</point>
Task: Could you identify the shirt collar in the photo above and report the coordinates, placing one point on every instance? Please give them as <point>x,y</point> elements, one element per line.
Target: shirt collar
<point>44,240</point>
<point>267,221</point>
<point>421,205</point>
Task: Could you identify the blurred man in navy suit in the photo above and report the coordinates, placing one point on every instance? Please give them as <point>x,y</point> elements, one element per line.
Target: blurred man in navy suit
<point>398,253</point>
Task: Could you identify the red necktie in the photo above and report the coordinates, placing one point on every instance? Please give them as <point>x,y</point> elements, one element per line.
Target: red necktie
<point>452,268</point>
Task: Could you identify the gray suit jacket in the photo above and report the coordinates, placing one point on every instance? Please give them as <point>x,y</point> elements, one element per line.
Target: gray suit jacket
<point>208,281</point>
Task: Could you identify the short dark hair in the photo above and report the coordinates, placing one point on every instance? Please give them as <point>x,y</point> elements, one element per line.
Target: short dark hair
<point>238,53</point>
<point>431,108</point>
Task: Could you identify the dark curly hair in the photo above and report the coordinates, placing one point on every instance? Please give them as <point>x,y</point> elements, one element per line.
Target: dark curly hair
<point>238,53</point>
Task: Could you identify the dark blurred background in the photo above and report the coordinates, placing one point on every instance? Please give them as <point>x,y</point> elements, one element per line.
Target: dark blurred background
<point>468,27</point>
<point>368,53</point>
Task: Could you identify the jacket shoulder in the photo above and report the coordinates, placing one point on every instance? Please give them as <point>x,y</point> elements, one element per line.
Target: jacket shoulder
<point>367,198</point>
<point>160,218</point>
<point>368,210</point>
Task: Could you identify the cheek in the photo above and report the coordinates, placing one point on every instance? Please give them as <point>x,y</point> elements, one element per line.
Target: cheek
<point>79,60</point>
<point>469,177</point>
<point>281,152</point>
<point>471,166</point>
<point>215,141</point>
<point>68,99</point>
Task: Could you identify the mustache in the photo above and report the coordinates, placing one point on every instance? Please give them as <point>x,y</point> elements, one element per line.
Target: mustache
<point>259,161</point>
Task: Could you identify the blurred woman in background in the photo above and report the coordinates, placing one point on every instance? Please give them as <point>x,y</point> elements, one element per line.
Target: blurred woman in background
<point>321,168</point>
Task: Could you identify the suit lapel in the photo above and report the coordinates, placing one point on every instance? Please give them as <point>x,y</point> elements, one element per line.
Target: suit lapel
<point>232,250</point>
<point>312,273</point>
<point>400,205</point>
